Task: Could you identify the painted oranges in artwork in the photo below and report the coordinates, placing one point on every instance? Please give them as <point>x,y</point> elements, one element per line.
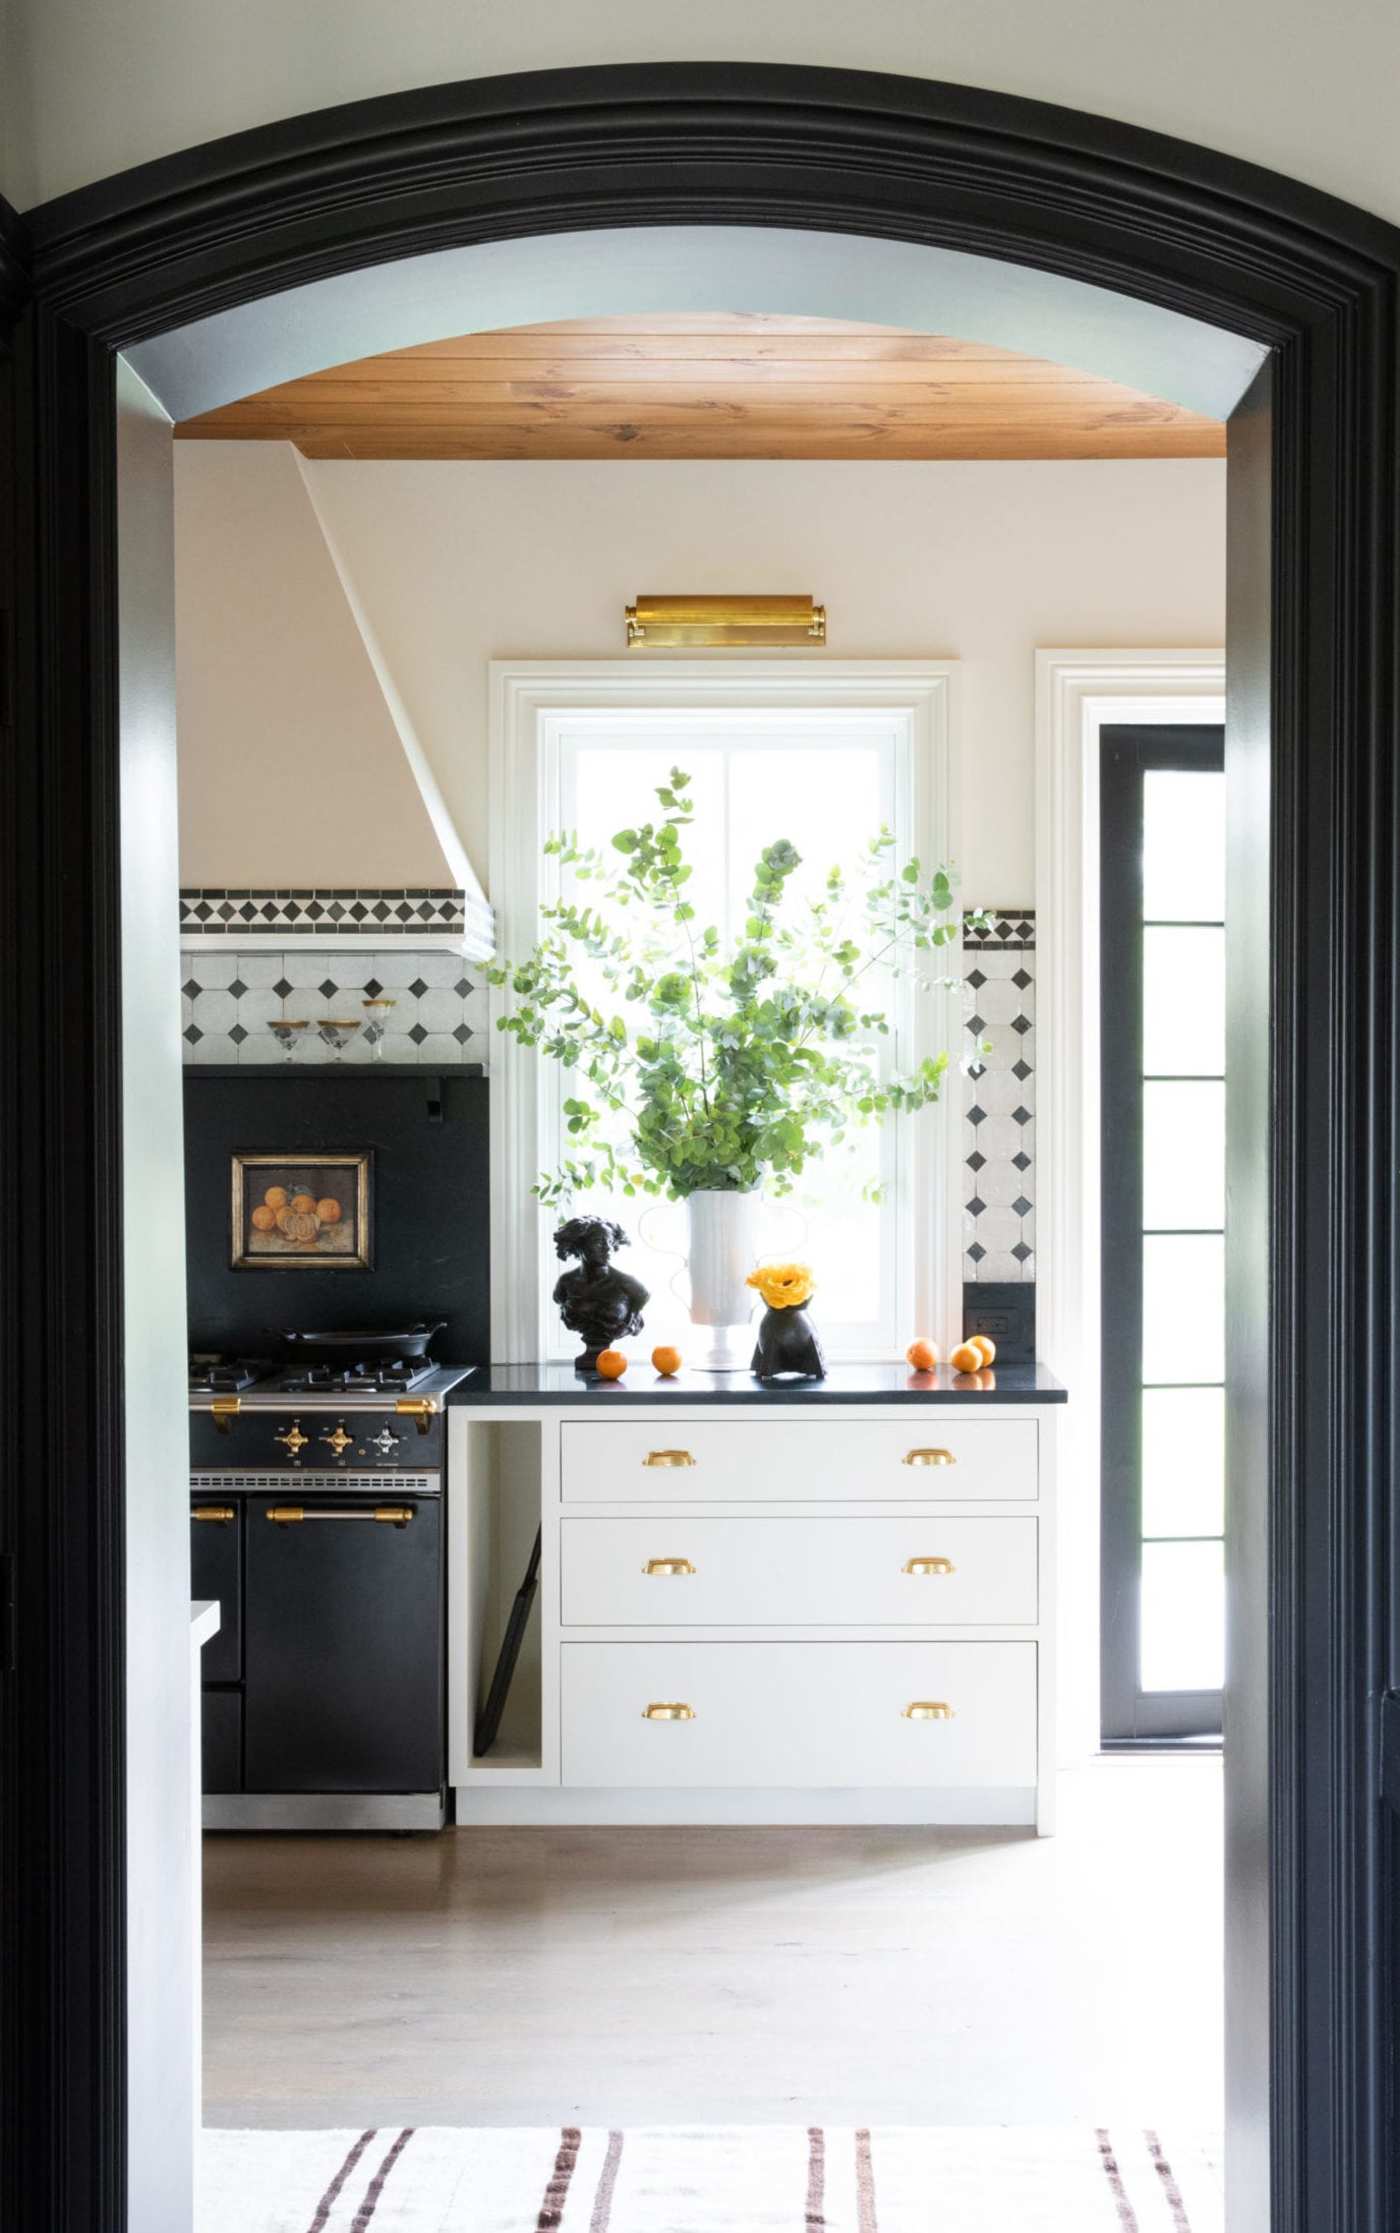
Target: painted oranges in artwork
<point>328,1210</point>
<point>611,1364</point>
<point>264,1219</point>
<point>276,1197</point>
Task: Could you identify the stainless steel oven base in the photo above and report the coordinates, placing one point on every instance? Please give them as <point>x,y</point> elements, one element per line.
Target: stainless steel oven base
<point>325,1810</point>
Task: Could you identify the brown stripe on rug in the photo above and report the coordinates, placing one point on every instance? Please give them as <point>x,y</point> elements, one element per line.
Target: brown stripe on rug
<point>1127,2215</point>
<point>376,2185</point>
<point>1170,2188</point>
<point>556,2192</point>
<point>607,2180</point>
<point>816,2179</point>
<point>865,2185</point>
<point>332,2194</point>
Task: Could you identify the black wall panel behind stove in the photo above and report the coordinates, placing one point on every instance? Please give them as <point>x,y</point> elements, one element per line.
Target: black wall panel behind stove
<point>431,1217</point>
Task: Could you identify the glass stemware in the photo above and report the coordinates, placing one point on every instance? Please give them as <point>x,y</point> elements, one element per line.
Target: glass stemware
<point>337,1032</point>
<point>287,1034</point>
<point>377,1014</point>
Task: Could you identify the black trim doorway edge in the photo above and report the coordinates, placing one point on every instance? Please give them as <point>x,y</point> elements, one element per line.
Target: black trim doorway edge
<point>1317,282</point>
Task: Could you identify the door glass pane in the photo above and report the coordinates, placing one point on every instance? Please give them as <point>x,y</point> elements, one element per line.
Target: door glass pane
<point>1183,1155</point>
<point>1183,1307</point>
<point>1183,1461</point>
<point>1183,846</point>
<point>1183,995</point>
<point>1183,1616</point>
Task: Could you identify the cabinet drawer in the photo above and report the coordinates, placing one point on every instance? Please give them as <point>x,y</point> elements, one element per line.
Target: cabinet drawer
<point>666,1571</point>
<point>801,1716</point>
<point>797,1461</point>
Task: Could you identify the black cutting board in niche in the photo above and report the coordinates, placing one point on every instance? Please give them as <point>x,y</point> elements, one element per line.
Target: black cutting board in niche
<point>430,1208</point>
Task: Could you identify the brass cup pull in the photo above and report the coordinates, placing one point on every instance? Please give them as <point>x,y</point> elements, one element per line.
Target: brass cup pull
<point>929,1457</point>
<point>221,1515</point>
<point>929,1566</point>
<point>668,1457</point>
<point>668,1566</point>
<point>927,1709</point>
<point>664,1710</point>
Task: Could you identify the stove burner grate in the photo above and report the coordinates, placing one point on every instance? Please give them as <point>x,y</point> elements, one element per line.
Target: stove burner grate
<point>395,1375</point>
<point>227,1375</point>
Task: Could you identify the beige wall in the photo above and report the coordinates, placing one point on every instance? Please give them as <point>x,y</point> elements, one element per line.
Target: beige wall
<point>1306,89</point>
<point>459,564</point>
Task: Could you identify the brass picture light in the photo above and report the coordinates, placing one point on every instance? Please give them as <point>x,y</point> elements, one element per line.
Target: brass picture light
<point>723,623</point>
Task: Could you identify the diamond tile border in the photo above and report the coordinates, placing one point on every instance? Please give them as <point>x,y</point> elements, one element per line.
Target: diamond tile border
<point>999,1106</point>
<point>232,913</point>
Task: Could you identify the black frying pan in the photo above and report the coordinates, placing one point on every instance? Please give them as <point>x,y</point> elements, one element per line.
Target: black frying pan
<point>373,1346</point>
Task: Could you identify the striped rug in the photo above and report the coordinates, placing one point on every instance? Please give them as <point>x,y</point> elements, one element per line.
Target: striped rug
<point>718,2179</point>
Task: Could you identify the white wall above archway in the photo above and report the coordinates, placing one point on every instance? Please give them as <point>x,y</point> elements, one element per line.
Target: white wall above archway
<point>701,267</point>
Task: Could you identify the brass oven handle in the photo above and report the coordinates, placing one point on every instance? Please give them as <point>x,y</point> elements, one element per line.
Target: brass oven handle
<point>927,1709</point>
<point>666,1710</point>
<point>224,1408</point>
<point>929,1566</point>
<point>389,1515</point>
<point>421,1408</point>
<point>668,1457</point>
<point>668,1566</point>
<point>929,1457</point>
<point>220,1514</point>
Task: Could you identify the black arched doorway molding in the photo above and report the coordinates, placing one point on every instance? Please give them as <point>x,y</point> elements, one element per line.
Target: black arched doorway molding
<point>1314,645</point>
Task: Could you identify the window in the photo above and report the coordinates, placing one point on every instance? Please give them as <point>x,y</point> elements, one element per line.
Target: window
<point>826,775</point>
<point>1163,1162</point>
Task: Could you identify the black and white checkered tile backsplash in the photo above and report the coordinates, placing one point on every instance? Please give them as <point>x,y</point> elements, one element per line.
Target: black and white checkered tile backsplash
<point>229,998</point>
<point>999,1106</point>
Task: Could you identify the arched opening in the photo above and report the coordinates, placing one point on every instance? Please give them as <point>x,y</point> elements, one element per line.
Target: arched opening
<point>1112,210</point>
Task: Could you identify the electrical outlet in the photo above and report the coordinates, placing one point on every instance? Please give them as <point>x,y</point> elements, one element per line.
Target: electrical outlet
<point>1005,1311</point>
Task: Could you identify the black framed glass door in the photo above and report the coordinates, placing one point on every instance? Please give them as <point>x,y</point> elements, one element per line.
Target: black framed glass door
<point>1162,1076</point>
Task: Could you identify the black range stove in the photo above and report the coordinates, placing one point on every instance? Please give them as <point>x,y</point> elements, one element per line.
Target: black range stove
<point>364,1415</point>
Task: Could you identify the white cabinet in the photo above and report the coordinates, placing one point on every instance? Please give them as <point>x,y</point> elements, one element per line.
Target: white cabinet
<point>759,1612</point>
<point>669,1570</point>
<point>806,1716</point>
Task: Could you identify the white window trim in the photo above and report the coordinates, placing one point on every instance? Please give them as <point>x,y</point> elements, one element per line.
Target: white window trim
<point>523,697</point>
<point>1078,693</point>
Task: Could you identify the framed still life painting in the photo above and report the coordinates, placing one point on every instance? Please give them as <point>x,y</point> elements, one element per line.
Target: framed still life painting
<point>304,1212</point>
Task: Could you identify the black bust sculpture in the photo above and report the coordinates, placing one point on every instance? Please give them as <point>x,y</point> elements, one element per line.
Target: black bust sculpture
<point>596,1300</point>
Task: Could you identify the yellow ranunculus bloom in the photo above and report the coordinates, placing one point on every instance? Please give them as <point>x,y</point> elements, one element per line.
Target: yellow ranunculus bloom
<point>783,1286</point>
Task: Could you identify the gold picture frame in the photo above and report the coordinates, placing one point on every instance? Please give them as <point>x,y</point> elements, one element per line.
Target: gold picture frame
<point>301,1210</point>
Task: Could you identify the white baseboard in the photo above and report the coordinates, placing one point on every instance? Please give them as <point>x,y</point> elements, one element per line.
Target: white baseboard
<point>998,1809</point>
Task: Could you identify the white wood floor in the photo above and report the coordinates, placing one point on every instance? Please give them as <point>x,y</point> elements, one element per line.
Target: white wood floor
<point>899,1976</point>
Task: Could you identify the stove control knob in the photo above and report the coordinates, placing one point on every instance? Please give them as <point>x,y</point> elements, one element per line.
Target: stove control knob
<point>292,1439</point>
<point>386,1442</point>
<point>338,1440</point>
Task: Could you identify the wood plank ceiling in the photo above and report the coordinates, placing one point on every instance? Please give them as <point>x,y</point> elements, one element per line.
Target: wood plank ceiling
<point>715,385</point>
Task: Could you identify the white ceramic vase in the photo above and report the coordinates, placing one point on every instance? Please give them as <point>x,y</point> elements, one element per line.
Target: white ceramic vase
<point>720,1259</point>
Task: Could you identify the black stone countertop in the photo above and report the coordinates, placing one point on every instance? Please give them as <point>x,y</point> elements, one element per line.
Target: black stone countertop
<point>560,1384</point>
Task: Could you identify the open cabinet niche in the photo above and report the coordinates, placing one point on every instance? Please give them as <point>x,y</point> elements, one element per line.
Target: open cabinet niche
<point>494,1506</point>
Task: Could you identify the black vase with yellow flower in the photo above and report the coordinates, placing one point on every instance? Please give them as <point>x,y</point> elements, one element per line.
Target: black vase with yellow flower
<point>788,1348</point>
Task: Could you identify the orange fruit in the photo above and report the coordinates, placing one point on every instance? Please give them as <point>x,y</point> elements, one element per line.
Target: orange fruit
<point>276,1197</point>
<point>987,1346</point>
<point>328,1210</point>
<point>303,1202</point>
<point>922,1355</point>
<point>611,1364</point>
<point>966,1358</point>
<point>264,1219</point>
<point>667,1361</point>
